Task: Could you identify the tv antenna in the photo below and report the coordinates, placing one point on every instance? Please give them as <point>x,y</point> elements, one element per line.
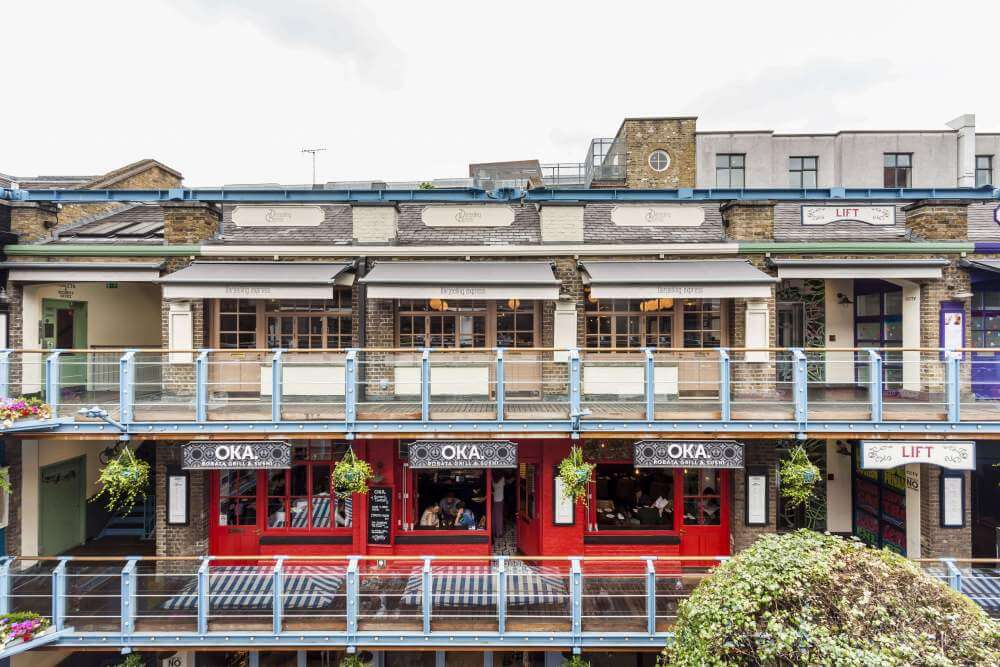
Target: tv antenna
<point>312,152</point>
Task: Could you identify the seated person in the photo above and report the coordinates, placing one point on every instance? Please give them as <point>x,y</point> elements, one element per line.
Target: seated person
<point>663,505</point>
<point>641,499</point>
<point>449,505</point>
<point>464,518</point>
<point>431,518</point>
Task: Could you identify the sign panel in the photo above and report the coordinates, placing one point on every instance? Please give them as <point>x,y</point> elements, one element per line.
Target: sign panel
<point>869,215</point>
<point>562,514</point>
<point>177,499</point>
<point>952,501</point>
<point>278,216</point>
<point>463,454</point>
<point>687,454</point>
<point>380,515</point>
<point>757,499</point>
<point>257,454</point>
<point>496,215</point>
<point>657,216</point>
<point>880,455</point>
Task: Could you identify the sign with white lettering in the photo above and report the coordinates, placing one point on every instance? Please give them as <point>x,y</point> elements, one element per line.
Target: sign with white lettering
<point>667,215</point>
<point>380,515</point>
<point>463,454</point>
<point>869,215</point>
<point>483,215</point>
<point>880,455</point>
<point>263,454</point>
<point>687,454</point>
<point>278,216</point>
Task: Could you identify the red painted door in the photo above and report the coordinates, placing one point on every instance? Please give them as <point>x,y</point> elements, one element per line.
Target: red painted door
<point>704,526</point>
<point>234,521</point>
<point>528,506</point>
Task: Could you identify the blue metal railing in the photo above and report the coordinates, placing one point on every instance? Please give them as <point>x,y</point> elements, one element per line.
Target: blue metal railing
<point>572,390</point>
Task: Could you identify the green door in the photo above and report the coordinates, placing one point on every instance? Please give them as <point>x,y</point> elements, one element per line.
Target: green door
<point>61,506</point>
<point>64,327</point>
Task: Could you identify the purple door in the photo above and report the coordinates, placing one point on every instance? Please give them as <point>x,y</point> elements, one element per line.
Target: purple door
<point>986,337</point>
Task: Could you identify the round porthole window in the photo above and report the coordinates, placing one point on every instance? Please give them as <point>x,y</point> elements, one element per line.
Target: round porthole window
<point>659,160</point>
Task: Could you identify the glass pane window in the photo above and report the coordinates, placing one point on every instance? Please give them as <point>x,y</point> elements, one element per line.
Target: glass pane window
<point>633,499</point>
<point>730,170</point>
<point>629,323</point>
<point>702,498</point>
<point>802,171</point>
<point>515,323</point>
<point>702,323</point>
<point>302,497</point>
<point>237,324</point>
<point>984,170</point>
<point>897,168</point>
<point>238,498</point>
<point>441,324</point>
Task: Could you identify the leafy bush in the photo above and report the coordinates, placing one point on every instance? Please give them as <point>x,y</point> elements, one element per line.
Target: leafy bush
<point>576,475</point>
<point>798,477</point>
<point>124,481</point>
<point>575,661</point>
<point>805,598</point>
<point>351,475</point>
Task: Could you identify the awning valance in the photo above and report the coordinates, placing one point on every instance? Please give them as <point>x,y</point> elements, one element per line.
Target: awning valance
<point>263,280</point>
<point>462,280</point>
<point>820,268</point>
<point>82,272</point>
<point>704,279</point>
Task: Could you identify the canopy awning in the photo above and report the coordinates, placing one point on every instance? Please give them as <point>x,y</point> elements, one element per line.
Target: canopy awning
<point>988,265</point>
<point>263,280</point>
<point>462,280</point>
<point>704,279</point>
<point>82,272</point>
<point>860,268</point>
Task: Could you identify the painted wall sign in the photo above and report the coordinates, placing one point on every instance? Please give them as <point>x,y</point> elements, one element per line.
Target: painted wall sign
<point>463,454</point>
<point>380,515</point>
<point>880,455</point>
<point>657,216</point>
<point>687,454</point>
<point>495,215</point>
<point>263,454</point>
<point>869,215</point>
<point>278,216</point>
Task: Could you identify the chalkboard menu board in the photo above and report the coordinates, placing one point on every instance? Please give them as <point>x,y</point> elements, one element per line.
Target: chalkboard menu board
<point>380,515</point>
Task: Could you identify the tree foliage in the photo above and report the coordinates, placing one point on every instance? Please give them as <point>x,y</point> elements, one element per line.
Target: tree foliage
<point>806,598</point>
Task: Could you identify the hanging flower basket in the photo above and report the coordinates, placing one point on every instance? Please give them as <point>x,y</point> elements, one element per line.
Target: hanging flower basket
<point>575,474</point>
<point>124,481</point>
<point>351,475</point>
<point>12,409</point>
<point>798,477</point>
<point>21,627</point>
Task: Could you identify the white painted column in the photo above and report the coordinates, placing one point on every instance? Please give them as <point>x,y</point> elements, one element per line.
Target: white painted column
<point>758,322</point>
<point>29,496</point>
<point>966,126</point>
<point>180,331</point>
<point>911,334</point>
<point>839,503</point>
<point>564,327</point>
<point>839,318</point>
<point>913,492</point>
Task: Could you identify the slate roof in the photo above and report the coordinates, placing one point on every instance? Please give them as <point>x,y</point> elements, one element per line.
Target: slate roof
<point>982,226</point>
<point>411,230</point>
<point>335,228</point>
<point>136,223</point>
<point>598,228</point>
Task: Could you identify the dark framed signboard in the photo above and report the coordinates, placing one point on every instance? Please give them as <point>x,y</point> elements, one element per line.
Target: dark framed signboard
<point>380,515</point>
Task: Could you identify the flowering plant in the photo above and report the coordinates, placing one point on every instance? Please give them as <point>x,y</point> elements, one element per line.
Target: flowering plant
<point>351,475</point>
<point>16,408</point>
<point>21,625</point>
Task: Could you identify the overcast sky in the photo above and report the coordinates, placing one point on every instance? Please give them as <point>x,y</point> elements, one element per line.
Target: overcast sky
<point>230,91</point>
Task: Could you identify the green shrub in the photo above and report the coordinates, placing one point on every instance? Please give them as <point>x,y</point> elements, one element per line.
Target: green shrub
<point>805,598</point>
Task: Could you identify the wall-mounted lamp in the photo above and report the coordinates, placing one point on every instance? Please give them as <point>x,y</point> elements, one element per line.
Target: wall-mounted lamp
<point>843,299</point>
<point>961,295</point>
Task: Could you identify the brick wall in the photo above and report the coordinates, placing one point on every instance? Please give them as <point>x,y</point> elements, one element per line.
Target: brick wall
<point>935,541</point>
<point>748,221</point>
<point>676,136</point>
<point>189,540</point>
<point>13,536</point>
<point>561,224</point>
<point>937,220</point>
<point>758,453</point>
<point>189,222</point>
<point>374,224</point>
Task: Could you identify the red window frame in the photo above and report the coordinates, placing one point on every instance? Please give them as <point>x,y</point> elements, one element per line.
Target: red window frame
<point>312,458</point>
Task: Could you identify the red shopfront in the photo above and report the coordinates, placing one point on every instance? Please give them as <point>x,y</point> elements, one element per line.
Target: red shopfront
<point>635,507</point>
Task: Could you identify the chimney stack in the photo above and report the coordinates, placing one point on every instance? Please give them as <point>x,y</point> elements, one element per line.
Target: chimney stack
<point>966,126</point>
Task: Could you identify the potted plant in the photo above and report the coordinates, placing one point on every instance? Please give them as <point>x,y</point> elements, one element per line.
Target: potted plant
<point>12,409</point>
<point>356,660</point>
<point>575,474</point>
<point>798,477</point>
<point>351,475</point>
<point>124,481</point>
<point>21,627</point>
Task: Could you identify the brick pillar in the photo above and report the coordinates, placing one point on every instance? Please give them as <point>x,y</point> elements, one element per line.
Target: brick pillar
<point>933,294</point>
<point>938,220</point>
<point>178,370</point>
<point>753,374</point>
<point>676,136</point>
<point>32,221</point>
<point>935,541</point>
<point>748,220</point>
<point>13,537</point>
<point>189,222</point>
<point>377,373</point>
<point>758,453</point>
<point>189,540</point>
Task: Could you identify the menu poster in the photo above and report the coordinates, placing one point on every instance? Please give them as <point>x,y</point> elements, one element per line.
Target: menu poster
<point>177,498</point>
<point>563,506</point>
<point>952,501</point>
<point>380,515</point>
<point>757,496</point>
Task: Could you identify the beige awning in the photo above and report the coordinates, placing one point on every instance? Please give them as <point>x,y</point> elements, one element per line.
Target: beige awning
<point>885,269</point>
<point>256,280</point>
<point>462,280</point>
<point>705,279</point>
<point>82,272</point>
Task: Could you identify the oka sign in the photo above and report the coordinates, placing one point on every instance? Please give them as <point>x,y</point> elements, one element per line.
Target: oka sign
<point>256,454</point>
<point>463,454</point>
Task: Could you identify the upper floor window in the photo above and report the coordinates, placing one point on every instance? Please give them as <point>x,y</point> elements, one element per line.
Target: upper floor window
<point>655,323</point>
<point>288,324</point>
<point>984,170</point>
<point>730,170</point>
<point>659,160</point>
<point>803,171</point>
<point>440,323</point>
<point>897,168</point>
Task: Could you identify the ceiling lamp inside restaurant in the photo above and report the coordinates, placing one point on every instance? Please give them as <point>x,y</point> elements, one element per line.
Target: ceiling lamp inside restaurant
<point>656,304</point>
<point>437,304</point>
<point>513,304</point>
